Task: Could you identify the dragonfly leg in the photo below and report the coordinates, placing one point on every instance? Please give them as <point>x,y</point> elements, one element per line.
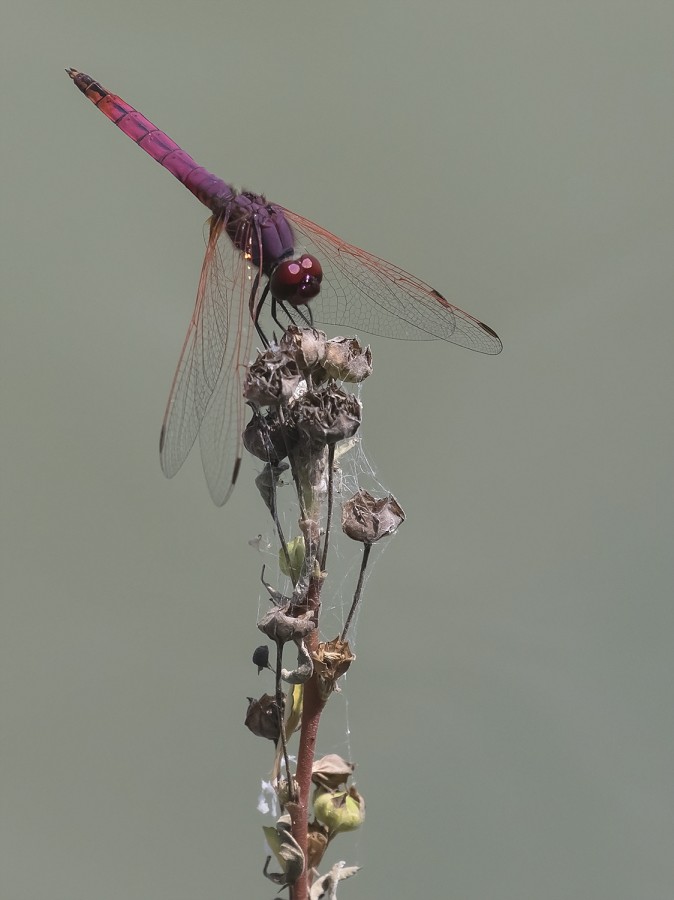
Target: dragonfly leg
<point>276,304</point>
<point>309,317</point>
<point>305,318</point>
<point>305,314</point>
<point>281,305</point>
<point>258,310</point>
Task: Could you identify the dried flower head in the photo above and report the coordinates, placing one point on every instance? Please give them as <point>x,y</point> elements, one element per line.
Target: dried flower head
<point>347,360</point>
<point>327,415</point>
<point>306,345</point>
<point>331,660</point>
<point>367,519</point>
<point>272,378</point>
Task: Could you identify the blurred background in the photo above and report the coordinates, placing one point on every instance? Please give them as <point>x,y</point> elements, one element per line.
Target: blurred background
<point>510,711</point>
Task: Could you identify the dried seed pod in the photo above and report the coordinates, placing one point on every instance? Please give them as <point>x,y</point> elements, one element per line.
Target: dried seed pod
<point>366,519</point>
<point>278,625</point>
<point>347,360</point>
<point>263,717</point>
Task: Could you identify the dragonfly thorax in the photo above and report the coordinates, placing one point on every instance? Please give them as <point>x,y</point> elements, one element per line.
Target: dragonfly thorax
<point>259,230</point>
<point>296,281</point>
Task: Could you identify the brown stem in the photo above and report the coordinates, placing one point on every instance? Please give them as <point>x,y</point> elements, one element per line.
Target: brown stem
<point>359,588</point>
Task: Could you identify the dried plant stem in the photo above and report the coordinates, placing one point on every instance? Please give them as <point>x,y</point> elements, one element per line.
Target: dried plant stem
<point>359,588</point>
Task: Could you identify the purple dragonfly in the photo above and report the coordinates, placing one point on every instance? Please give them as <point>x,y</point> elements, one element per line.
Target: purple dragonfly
<point>252,256</point>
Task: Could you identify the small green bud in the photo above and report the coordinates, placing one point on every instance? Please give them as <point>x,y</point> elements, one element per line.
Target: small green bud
<point>339,810</point>
<point>296,555</point>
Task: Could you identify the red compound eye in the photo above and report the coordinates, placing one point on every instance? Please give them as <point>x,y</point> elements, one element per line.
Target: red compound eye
<point>296,281</point>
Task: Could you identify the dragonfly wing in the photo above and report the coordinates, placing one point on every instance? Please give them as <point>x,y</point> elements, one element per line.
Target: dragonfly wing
<point>368,294</point>
<point>205,396</point>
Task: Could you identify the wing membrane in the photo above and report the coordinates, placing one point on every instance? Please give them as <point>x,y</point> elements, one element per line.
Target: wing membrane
<point>368,294</point>
<point>205,397</point>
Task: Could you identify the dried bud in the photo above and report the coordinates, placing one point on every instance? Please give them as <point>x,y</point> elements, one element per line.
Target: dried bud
<point>327,415</point>
<point>306,345</point>
<point>271,379</point>
<point>346,360</point>
<point>331,660</point>
<point>267,439</point>
<point>263,717</point>
<point>339,810</point>
<point>331,771</point>
<point>366,519</point>
<point>283,791</point>
<point>261,658</point>
<point>267,483</point>
<point>317,843</point>
<point>281,627</point>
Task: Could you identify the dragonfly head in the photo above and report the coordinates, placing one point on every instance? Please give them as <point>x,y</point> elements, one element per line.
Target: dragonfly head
<point>296,281</point>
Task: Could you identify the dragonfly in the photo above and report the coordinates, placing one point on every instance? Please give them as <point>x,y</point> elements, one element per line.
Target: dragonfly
<point>260,253</point>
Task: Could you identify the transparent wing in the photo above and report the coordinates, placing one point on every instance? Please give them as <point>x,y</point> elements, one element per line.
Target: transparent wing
<point>205,396</point>
<point>368,294</point>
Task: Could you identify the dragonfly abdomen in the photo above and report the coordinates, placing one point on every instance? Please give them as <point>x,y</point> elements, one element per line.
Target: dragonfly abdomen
<point>212,191</point>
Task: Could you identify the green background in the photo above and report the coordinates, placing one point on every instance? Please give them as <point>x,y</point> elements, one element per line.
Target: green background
<point>510,711</point>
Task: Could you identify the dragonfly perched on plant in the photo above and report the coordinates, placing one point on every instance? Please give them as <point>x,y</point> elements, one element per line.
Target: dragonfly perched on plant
<point>253,256</point>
